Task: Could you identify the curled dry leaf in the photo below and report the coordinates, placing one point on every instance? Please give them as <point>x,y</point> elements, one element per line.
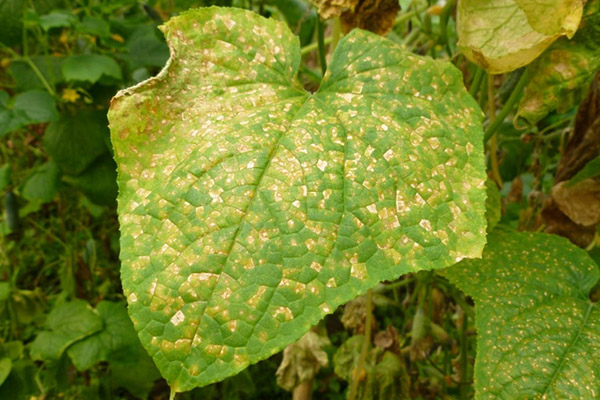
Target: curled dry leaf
<point>503,35</point>
<point>355,314</point>
<point>377,16</point>
<point>573,211</point>
<point>302,360</point>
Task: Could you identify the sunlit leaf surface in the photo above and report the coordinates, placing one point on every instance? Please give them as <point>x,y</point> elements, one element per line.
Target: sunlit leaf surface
<point>538,333</point>
<point>250,208</point>
<point>503,35</point>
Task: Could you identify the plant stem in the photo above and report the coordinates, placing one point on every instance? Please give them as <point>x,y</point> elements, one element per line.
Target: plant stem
<point>444,16</point>
<point>321,45</point>
<point>303,391</point>
<point>314,46</point>
<point>335,35</point>
<point>476,83</point>
<point>365,347</point>
<point>508,106</point>
<point>494,140</point>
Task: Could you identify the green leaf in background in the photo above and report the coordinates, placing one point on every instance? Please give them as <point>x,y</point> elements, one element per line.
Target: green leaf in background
<point>99,181</point>
<point>146,49</point>
<point>25,77</point>
<point>560,76</point>
<point>137,374</point>
<point>66,324</point>
<point>117,335</point>
<point>591,170</point>
<point>96,27</point>
<point>90,68</point>
<point>538,331</point>
<point>250,208</point>
<point>11,28</point>
<point>503,35</point>
<point>297,13</point>
<point>57,19</point>
<point>42,184</point>
<point>76,140</point>
<point>5,367</point>
<point>36,106</point>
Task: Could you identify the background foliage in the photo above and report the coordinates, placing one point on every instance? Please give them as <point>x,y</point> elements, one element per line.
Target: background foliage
<point>64,331</point>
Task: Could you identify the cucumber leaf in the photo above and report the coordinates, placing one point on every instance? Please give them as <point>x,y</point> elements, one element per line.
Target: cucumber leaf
<point>250,208</point>
<point>538,331</point>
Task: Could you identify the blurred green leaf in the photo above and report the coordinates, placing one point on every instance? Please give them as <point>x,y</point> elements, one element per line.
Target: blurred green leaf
<point>493,205</point>
<point>11,30</point>
<point>25,77</point>
<point>76,140</point>
<point>37,106</point>
<point>99,181</point>
<point>117,336</point>
<point>57,19</point>
<point>94,26</point>
<point>42,184</point>
<point>20,383</point>
<point>137,374</point>
<point>5,367</point>
<point>146,48</point>
<point>90,68</point>
<point>66,324</point>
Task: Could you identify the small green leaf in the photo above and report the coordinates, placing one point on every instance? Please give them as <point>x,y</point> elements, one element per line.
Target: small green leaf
<point>117,336</point>
<point>503,35</point>
<point>90,68</point>
<point>94,26</point>
<point>26,78</point>
<point>42,184</point>
<point>11,27</point>
<point>5,367</point>
<point>76,140</point>
<point>66,324</point>
<point>250,208</point>
<point>538,332</point>
<point>561,75</point>
<point>591,170</point>
<point>57,19</point>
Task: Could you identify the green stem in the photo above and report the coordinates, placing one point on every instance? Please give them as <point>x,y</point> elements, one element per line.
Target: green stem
<point>366,346</point>
<point>507,108</point>
<point>444,16</point>
<point>494,138</point>
<point>336,34</point>
<point>309,48</point>
<point>321,45</point>
<point>476,83</point>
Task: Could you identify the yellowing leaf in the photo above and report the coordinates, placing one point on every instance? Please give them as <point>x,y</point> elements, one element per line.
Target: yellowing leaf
<point>250,208</point>
<point>560,76</point>
<point>503,35</point>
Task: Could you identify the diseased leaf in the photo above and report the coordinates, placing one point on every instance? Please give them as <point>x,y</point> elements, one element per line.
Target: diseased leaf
<point>503,35</point>
<point>561,75</point>
<point>377,16</point>
<point>250,208</point>
<point>302,360</point>
<point>538,332</point>
<point>581,203</point>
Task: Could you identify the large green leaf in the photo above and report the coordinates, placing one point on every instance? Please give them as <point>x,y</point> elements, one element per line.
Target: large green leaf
<point>503,35</point>
<point>250,208</point>
<point>560,76</point>
<point>538,332</point>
